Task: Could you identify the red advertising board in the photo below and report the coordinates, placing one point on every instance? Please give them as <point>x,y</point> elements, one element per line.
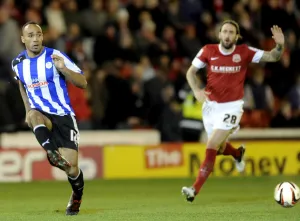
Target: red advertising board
<point>31,164</point>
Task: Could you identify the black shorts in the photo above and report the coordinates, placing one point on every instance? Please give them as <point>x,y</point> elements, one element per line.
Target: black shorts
<point>64,130</point>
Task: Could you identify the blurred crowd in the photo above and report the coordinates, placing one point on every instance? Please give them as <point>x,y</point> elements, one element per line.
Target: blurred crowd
<point>135,54</point>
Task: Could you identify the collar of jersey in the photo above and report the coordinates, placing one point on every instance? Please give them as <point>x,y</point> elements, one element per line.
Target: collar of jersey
<point>225,53</point>
<point>43,51</point>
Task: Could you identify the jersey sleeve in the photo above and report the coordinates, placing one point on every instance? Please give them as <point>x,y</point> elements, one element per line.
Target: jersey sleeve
<point>254,54</point>
<point>16,77</point>
<point>200,59</point>
<point>68,62</point>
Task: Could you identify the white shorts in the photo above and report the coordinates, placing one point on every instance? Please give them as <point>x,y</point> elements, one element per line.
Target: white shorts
<point>225,116</point>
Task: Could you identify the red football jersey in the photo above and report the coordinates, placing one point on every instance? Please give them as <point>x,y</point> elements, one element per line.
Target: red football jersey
<point>226,72</point>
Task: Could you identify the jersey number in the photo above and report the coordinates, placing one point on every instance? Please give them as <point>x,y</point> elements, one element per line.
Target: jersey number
<point>74,136</point>
<point>230,118</point>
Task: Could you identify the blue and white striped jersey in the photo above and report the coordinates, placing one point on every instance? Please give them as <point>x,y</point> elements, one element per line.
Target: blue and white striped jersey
<point>45,87</point>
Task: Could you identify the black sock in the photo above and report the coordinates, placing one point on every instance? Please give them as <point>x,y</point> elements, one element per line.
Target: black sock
<point>43,135</point>
<point>77,183</point>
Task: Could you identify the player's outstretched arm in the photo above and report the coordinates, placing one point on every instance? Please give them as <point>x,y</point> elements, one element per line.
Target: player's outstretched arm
<point>275,54</point>
<point>77,79</point>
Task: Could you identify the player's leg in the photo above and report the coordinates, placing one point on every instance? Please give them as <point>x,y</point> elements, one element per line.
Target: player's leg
<point>225,148</point>
<point>229,117</point>
<point>75,178</point>
<point>216,139</point>
<point>67,134</point>
<point>224,120</point>
<point>41,126</point>
<point>238,154</point>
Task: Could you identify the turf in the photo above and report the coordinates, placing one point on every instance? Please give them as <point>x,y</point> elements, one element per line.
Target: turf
<point>221,199</point>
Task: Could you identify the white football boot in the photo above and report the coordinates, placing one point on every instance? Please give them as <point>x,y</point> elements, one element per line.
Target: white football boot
<point>189,193</point>
<point>240,162</point>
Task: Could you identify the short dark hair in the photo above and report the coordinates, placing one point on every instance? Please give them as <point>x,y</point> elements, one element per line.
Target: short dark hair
<point>235,24</point>
<point>29,23</point>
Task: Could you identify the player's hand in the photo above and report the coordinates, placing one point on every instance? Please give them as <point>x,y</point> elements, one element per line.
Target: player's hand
<point>201,95</point>
<point>58,62</point>
<point>278,35</point>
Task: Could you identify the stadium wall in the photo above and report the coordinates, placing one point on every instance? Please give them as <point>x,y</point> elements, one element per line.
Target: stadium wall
<point>128,154</point>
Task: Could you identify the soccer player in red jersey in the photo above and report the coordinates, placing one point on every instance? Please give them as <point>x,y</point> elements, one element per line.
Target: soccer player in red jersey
<point>226,64</point>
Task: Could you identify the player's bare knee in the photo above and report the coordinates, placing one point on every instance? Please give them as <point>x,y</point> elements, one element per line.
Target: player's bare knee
<point>213,144</point>
<point>73,171</point>
<point>35,118</point>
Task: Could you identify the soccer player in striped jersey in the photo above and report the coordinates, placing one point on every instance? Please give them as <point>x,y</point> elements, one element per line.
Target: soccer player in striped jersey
<point>42,74</point>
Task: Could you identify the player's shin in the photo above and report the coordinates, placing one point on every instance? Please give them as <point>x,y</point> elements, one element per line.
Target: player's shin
<point>205,169</point>
<point>231,151</point>
<point>43,136</point>
<point>77,183</point>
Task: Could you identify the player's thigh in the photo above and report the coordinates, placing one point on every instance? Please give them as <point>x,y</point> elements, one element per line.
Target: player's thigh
<point>36,118</point>
<point>217,138</point>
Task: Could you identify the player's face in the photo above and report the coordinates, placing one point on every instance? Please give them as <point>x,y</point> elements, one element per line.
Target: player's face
<point>33,38</point>
<point>228,36</point>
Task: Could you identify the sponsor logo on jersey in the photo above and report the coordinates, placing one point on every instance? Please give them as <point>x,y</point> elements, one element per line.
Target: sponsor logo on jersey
<point>37,84</point>
<point>225,69</point>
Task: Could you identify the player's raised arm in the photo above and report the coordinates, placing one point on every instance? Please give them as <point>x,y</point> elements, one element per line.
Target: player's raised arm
<point>76,78</point>
<point>275,54</point>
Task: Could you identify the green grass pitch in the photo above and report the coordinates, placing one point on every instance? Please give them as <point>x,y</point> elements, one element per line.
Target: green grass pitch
<point>221,199</point>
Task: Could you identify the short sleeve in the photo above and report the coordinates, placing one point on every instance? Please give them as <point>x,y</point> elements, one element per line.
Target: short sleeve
<point>12,66</point>
<point>16,77</point>
<point>200,59</point>
<point>68,62</point>
<point>254,54</point>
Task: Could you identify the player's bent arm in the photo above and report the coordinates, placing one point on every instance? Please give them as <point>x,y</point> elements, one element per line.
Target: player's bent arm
<point>75,78</point>
<point>273,55</point>
<point>24,97</point>
<point>192,79</point>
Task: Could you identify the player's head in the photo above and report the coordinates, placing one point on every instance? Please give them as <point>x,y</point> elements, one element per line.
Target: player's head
<point>32,37</point>
<point>229,33</point>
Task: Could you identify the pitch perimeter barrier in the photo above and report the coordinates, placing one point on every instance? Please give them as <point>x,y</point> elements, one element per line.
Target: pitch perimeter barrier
<point>139,154</point>
<point>28,164</point>
<point>263,158</point>
<point>87,138</point>
<point>141,137</point>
